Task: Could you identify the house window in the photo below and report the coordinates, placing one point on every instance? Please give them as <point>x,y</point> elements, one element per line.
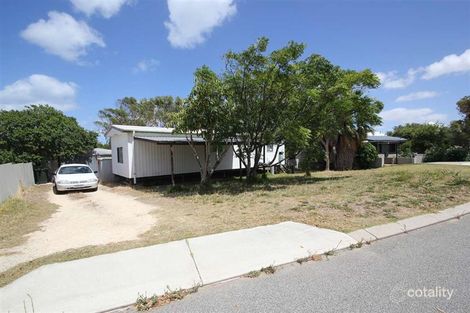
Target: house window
<point>119,155</point>
<point>270,148</point>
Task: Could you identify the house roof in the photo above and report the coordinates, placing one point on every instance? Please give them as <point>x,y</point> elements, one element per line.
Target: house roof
<point>102,152</point>
<point>144,129</point>
<point>169,139</point>
<point>385,139</point>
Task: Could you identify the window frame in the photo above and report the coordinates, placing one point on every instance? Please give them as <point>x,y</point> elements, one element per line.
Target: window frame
<point>120,155</point>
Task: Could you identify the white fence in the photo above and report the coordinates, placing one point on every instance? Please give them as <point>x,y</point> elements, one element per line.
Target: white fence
<point>12,176</point>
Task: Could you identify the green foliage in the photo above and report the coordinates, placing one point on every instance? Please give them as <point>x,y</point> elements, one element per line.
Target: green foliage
<point>406,149</point>
<point>41,133</point>
<point>456,154</point>
<point>260,86</point>
<point>311,157</point>
<point>435,154</point>
<point>157,111</point>
<point>333,104</point>
<point>422,137</point>
<point>463,105</point>
<point>367,155</point>
<point>206,114</point>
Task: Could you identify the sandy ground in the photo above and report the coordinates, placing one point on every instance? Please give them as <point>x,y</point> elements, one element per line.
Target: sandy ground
<point>83,219</point>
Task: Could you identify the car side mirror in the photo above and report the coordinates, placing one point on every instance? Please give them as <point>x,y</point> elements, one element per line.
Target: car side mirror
<point>96,172</point>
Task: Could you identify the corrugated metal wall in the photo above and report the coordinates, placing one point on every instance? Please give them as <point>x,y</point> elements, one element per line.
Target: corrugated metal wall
<point>153,159</point>
<point>12,176</point>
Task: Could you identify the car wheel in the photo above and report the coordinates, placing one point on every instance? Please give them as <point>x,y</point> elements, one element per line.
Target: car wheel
<point>94,189</point>
<point>54,189</point>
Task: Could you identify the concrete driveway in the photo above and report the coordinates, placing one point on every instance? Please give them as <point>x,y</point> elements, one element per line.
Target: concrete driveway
<point>83,219</point>
<point>466,163</point>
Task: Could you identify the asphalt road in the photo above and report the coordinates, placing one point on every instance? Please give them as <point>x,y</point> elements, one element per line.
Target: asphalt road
<point>427,270</point>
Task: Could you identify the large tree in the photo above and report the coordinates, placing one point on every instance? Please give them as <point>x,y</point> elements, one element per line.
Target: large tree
<point>260,86</point>
<point>460,129</point>
<point>334,105</point>
<point>422,137</point>
<point>206,115</point>
<point>155,111</point>
<point>40,134</point>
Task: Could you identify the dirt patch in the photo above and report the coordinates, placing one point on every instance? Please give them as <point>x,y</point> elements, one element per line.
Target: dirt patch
<point>83,219</point>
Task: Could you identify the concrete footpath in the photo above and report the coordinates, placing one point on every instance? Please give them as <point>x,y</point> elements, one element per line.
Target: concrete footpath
<point>113,280</point>
<point>108,281</point>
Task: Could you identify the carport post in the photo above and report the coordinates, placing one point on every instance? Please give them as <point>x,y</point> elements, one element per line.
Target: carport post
<point>172,166</point>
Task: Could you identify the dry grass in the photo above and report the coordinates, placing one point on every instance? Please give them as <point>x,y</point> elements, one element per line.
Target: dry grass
<point>22,214</point>
<point>343,201</point>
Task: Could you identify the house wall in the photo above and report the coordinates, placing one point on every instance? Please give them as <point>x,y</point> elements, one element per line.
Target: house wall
<point>271,155</point>
<point>125,141</point>
<point>152,159</point>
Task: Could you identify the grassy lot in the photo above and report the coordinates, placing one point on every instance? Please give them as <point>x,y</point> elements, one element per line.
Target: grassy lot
<point>22,214</point>
<point>343,201</point>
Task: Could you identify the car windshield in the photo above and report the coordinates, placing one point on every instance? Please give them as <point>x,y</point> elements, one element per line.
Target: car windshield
<point>75,170</point>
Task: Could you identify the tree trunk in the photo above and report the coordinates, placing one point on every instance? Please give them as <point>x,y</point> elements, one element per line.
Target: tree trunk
<point>346,148</point>
<point>326,145</point>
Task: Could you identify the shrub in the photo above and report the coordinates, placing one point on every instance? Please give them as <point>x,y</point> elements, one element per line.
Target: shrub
<point>435,154</point>
<point>456,154</point>
<point>366,155</point>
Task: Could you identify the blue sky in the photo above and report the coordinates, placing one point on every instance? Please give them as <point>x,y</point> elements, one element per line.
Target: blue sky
<point>82,55</point>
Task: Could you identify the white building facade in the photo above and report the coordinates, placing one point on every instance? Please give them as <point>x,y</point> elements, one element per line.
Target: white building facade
<point>139,152</point>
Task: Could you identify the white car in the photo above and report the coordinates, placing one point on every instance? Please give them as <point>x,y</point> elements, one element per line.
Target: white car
<point>75,177</point>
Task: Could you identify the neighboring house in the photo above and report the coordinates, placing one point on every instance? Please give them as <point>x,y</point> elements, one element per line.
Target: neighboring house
<point>140,151</point>
<point>101,164</point>
<point>387,146</point>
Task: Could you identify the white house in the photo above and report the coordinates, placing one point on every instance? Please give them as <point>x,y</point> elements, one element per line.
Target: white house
<point>140,151</point>
<point>101,164</point>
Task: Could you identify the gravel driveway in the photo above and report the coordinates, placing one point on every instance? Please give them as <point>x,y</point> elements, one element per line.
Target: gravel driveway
<point>83,219</point>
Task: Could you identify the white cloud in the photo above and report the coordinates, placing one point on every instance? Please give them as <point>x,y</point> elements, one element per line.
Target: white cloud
<point>147,65</point>
<point>106,8</point>
<point>62,35</point>
<point>447,65</point>
<point>391,80</point>
<point>192,21</point>
<point>417,96</point>
<point>38,89</point>
<point>420,115</point>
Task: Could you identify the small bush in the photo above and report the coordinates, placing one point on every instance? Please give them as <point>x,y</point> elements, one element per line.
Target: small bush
<point>456,154</point>
<point>366,155</point>
<point>435,154</point>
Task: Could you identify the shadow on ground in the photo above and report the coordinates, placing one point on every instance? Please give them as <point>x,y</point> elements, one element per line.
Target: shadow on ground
<point>234,186</point>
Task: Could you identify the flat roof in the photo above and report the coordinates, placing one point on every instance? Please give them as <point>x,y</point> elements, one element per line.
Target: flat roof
<point>102,152</point>
<point>144,129</point>
<point>169,139</point>
<point>385,139</point>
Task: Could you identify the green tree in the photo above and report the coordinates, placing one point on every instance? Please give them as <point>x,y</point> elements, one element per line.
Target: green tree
<point>155,111</point>
<point>207,116</point>
<point>463,105</point>
<point>460,129</point>
<point>260,87</point>
<point>367,155</point>
<point>40,134</point>
<point>335,107</point>
<point>423,137</point>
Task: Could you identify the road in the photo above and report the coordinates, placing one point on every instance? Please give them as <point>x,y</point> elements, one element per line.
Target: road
<point>427,270</point>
